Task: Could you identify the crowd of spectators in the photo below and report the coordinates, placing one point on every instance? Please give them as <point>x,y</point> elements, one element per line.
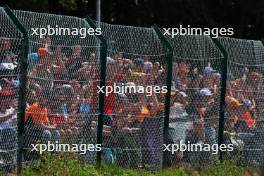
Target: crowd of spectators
<point>62,98</point>
<point>8,102</point>
<point>62,92</point>
<point>198,98</point>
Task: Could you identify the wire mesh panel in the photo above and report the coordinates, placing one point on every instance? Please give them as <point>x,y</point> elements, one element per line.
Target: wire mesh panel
<point>244,125</point>
<point>10,48</point>
<point>135,96</point>
<point>62,111</point>
<point>195,100</point>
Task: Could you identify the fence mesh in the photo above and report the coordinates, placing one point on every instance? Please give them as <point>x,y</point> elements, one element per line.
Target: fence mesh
<point>10,48</point>
<point>134,115</point>
<point>195,99</point>
<point>62,94</point>
<point>62,104</point>
<point>244,125</point>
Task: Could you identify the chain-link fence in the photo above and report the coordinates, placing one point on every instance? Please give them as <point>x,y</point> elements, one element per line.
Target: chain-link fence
<point>62,104</point>
<point>195,98</point>
<point>244,123</point>
<point>136,70</point>
<point>10,49</point>
<point>64,98</point>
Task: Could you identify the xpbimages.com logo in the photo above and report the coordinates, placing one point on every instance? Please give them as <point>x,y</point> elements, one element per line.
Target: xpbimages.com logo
<point>56,30</point>
<point>132,89</point>
<point>197,147</point>
<point>182,31</point>
<point>59,147</point>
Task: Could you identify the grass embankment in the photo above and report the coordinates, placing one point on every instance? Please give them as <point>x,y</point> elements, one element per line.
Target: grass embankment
<point>61,165</point>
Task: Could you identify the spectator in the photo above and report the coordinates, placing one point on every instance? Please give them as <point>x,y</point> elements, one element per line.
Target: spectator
<point>8,121</point>
<point>39,115</point>
<point>8,124</point>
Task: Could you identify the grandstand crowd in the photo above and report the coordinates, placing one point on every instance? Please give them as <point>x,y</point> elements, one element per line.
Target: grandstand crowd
<point>62,100</point>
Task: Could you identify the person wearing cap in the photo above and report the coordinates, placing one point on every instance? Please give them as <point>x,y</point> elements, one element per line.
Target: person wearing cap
<point>206,96</point>
<point>205,92</point>
<point>211,79</point>
<point>65,94</point>
<point>246,112</point>
<point>205,100</point>
<point>179,101</point>
<point>209,70</point>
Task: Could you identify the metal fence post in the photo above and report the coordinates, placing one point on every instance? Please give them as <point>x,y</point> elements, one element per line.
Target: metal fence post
<point>223,94</point>
<point>169,57</point>
<point>103,53</point>
<point>22,87</point>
